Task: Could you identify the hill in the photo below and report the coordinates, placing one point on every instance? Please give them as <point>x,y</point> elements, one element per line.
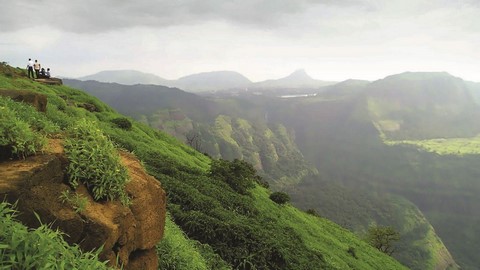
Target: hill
<point>341,137</point>
<point>219,127</point>
<point>298,79</point>
<point>221,218</point>
<point>128,77</point>
<point>212,81</point>
<point>423,105</point>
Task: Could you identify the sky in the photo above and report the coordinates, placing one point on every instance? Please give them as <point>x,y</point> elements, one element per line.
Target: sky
<point>262,39</point>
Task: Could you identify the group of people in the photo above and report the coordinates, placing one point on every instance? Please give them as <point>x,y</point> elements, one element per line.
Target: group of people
<point>39,71</point>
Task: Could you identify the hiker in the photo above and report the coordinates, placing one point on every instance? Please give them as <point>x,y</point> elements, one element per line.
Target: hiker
<point>37,66</point>
<point>47,74</point>
<point>30,68</point>
<point>42,73</point>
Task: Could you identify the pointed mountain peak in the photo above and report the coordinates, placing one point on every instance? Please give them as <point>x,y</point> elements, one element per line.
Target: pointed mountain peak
<point>299,74</point>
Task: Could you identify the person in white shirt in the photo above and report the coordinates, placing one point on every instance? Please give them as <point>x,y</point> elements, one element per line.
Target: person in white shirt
<point>30,68</point>
<point>47,74</point>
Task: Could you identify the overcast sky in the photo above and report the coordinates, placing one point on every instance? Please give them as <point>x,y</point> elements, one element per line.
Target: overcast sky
<point>262,39</point>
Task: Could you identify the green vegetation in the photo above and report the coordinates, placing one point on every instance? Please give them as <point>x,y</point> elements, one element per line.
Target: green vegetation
<point>220,217</point>
<point>176,251</point>
<point>452,146</point>
<point>41,248</point>
<point>280,197</point>
<point>22,129</point>
<point>77,201</point>
<point>238,174</point>
<point>93,161</point>
<point>122,122</point>
<point>383,238</point>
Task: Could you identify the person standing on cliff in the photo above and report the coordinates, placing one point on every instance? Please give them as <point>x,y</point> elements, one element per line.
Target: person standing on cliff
<point>37,67</point>
<point>30,68</point>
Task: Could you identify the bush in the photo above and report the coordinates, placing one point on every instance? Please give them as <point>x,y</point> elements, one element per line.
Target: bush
<point>280,197</point>
<point>94,161</point>
<point>238,174</point>
<point>312,212</point>
<point>122,123</point>
<point>16,136</point>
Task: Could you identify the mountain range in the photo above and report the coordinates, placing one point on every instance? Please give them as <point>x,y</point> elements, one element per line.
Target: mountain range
<point>208,81</point>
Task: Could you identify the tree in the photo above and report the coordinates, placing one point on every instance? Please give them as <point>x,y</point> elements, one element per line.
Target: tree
<point>382,238</point>
<point>194,140</point>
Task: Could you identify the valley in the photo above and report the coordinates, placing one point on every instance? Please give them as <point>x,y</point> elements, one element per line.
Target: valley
<point>340,141</point>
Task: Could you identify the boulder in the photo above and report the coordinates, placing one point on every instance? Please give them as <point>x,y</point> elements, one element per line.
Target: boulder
<point>127,233</point>
<point>50,81</point>
<point>37,100</point>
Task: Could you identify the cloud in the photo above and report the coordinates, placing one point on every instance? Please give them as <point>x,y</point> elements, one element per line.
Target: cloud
<point>106,15</point>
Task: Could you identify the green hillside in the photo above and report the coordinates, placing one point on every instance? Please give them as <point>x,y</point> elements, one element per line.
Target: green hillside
<point>265,132</point>
<point>423,106</point>
<point>341,137</point>
<point>221,127</point>
<point>226,218</point>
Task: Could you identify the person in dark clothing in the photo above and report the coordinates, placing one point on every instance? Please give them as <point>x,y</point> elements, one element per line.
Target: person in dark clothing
<point>42,73</point>
<point>30,68</point>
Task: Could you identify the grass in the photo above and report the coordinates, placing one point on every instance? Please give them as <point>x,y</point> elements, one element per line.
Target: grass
<point>324,236</point>
<point>177,251</point>
<point>212,225</point>
<point>94,161</point>
<point>40,248</point>
<point>455,146</point>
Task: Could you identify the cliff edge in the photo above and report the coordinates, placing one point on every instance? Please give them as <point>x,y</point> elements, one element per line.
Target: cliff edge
<point>128,234</point>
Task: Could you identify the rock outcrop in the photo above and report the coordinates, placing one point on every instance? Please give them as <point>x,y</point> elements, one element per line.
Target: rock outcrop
<point>50,81</point>
<point>37,100</point>
<point>128,234</point>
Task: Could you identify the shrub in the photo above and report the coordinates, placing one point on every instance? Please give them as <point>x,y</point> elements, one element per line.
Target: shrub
<point>238,174</point>
<point>122,123</point>
<point>77,201</point>
<point>312,212</point>
<point>280,197</point>
<point>94,161</point>
<point>16,136</point>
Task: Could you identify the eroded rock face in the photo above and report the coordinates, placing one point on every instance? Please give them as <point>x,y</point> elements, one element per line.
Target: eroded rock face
<point>50,81</point>
<point>37,100</point>
<point>128,234</point>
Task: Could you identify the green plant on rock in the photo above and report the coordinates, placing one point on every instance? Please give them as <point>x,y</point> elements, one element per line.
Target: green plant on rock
<point>77,201</point>
<point>41,248</point>
<point>94,161</point>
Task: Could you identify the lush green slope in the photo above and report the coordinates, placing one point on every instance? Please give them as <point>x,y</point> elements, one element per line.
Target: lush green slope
<point>340,139</point>
<point>222,207</point>
<point>423,105</point>
<point>221,127</point>
<point>241,131</point>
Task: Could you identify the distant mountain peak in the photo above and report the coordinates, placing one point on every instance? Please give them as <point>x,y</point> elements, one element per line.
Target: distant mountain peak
<point>299,75</point>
